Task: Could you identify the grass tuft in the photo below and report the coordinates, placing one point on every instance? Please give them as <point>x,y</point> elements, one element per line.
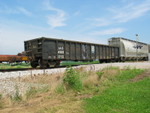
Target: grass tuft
<point>60,89</point>
<point>99,74</point>
<point>1,101</point>
<point>16,97</point>
<point>31,92</point>
<point>72,79</point>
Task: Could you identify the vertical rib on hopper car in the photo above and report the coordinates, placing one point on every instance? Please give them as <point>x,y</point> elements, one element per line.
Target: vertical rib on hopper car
<point>48,51</point>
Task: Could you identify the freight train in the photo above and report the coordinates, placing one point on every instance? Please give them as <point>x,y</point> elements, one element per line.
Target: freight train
<point>44,51</point>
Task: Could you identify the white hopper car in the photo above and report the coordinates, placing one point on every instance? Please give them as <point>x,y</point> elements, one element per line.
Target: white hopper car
<point>130,49</point>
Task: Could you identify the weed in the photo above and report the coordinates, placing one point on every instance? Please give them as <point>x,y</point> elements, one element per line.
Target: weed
<point>16,97</point>
<point>99,74</point>
<point>31,92</point>
<point>60,89</point>
<point>1,102</point>
<point>72,79</point>
<point>90,81</point>
<point>43,89</point>
<point>1,96</point>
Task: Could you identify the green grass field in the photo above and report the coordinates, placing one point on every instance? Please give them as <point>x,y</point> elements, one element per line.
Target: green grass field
<point>14,66</point>
<point>123,96</point>
<point>68,63</point>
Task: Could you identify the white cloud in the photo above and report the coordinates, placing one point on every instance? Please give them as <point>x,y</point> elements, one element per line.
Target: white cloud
<point>108,32</point>
<point>99,22</point>
<point>17,10</point>
<point>55,20</point>
<point>131,11</point>
<point>7,10</point>
<point>77,13</point>
<point>24,11</point>
<point>126,13</point>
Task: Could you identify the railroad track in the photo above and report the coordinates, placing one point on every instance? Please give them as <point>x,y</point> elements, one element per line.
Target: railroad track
<point>26,69</point>
<point>16,69</point>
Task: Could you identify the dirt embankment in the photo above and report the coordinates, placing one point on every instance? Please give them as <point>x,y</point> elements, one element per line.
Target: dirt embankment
<point>141,76</point>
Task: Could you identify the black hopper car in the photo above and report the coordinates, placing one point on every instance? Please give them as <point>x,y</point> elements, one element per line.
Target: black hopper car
<point>44,52</point>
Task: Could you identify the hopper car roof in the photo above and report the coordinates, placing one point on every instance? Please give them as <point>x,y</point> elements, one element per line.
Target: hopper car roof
<point>129,40</point>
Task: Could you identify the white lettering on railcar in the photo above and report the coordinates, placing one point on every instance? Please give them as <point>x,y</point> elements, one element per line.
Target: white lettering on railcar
<point>60,52</point>
<point>60,48</point>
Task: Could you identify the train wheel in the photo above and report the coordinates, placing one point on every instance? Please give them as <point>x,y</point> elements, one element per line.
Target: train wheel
<point>34,64</point>
<point>43,64</point>
<point>57,64</point>
<point>47,66</point>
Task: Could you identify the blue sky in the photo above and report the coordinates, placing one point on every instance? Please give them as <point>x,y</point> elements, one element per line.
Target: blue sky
<point>83,20</point>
